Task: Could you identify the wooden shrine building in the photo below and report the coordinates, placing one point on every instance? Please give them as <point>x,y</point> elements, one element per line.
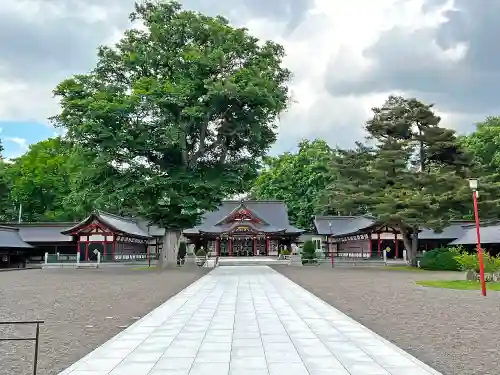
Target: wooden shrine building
<point>108,234</point>
<point>364,237</point>
<point>13,250</point>
<point>245,228</point>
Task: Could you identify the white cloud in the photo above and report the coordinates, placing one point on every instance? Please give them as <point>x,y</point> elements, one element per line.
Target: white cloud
<point>21,142</point>
<point>328,45</point>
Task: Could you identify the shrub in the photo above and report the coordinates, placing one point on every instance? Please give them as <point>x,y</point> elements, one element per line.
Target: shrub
<point>440,259</point>
<point>285,252</point>
<point>308,254</point>
<point>181,254</point>
<point>470,262</point>
<point>201,253</point>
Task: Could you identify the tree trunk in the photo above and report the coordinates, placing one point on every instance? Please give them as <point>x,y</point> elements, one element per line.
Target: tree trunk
<point>410,240</point>
<point>170,248</point>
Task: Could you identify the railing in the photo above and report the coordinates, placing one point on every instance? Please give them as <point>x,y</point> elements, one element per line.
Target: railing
<point>96,258</point>
<point>124,257</point>
<point>35,339</point>
<point>350,254</point>
<point>61,258</point>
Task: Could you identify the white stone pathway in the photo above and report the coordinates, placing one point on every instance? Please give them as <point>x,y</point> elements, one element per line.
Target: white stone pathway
<point>247,320</point>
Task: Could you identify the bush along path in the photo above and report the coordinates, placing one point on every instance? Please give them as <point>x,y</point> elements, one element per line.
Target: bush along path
<point>459,259</point>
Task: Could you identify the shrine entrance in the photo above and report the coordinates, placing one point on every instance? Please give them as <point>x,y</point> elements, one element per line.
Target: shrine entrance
<point>242,246</point>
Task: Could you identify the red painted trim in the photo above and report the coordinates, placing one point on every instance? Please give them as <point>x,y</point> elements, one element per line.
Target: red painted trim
<point>379,245</point>
<point>87,250</point>
<point>90,227</point>
<point>396,245</point>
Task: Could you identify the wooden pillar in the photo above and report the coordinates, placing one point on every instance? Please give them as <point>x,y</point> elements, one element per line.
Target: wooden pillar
<point>230,246</point>
<point>370,245</point>
<point>396,245</point>
<point>379,245</point>
<point>267,245</point>
<point>254,246</point>
<point>217,246</point>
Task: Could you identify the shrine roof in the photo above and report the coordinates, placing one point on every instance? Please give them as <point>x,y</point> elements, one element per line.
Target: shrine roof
<point>490,233</point>
<point>342,225</point>
<point>349,225</point>
<point>10,239</point>
<point>124,225</point>
<point>273,214</point>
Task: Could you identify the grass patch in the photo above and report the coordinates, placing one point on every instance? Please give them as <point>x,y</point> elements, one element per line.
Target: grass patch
<point>403,268</point>
<point>458,284</point>
<point>144,268</point>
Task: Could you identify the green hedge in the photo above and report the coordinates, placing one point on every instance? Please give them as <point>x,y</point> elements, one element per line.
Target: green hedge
<point>441,259</point>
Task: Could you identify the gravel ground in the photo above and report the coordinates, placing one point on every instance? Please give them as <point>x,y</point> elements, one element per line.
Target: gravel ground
<point>82,309</point>
<point>456,332</point>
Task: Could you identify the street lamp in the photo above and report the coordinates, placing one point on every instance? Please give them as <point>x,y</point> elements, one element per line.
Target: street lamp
<point>330,244</point>
<point>473,186</point>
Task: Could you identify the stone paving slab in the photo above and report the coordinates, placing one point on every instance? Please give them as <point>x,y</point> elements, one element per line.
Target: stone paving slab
<point>247,320</point>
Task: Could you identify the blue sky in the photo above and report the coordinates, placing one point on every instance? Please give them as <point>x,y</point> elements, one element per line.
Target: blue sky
<point>17,136</point>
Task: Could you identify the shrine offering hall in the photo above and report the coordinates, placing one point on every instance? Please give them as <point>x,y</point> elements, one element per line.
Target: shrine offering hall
<point>245,228</point>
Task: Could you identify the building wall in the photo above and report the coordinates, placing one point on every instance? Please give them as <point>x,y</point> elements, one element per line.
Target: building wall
<point>359,248</point>
<point>130,248</point>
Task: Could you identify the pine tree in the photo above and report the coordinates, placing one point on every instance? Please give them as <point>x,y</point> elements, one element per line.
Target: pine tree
<point>413,176</point>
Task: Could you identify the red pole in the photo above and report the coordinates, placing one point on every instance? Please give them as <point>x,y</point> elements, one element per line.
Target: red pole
<point>379,244</point>
<point>396,245</point>
<point>330,247</point>
<point>479,250</point>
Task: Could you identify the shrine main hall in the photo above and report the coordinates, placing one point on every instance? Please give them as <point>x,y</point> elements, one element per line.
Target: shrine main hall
<point>245,228</point>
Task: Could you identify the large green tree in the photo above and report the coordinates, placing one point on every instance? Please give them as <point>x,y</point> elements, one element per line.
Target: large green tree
<point>484,145</point>
<point>40,181</point>
<point>177,115</point>
<point>298,179</point>
<point>8,209</point>
<point>411,173</point>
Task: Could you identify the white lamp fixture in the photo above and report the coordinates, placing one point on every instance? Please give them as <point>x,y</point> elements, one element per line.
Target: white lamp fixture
<point>473,183</point>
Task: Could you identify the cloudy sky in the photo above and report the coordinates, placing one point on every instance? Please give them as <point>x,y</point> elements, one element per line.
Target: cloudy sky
<point>346,56</point>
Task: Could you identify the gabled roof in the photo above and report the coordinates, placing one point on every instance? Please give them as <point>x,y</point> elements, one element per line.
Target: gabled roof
<point>43,232</point>
<point>242,206</point>
<point>489,234</point>
<point>273,213</point>
<point>119,224</point>
<point>10,239</point>
<point>342,225</point>
<point>453,231</point>
<point>349,225</point>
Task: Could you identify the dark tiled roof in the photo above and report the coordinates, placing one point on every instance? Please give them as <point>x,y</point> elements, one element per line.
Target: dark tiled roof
<point>273,213</point>
<point>10,239</point>
<point>152,229</point>
<point>43,232</point>
<point>341,225</point>
<point>450,232</point>
<point>346,225</point>
<point>489,234</point>
<point>117,223</point>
